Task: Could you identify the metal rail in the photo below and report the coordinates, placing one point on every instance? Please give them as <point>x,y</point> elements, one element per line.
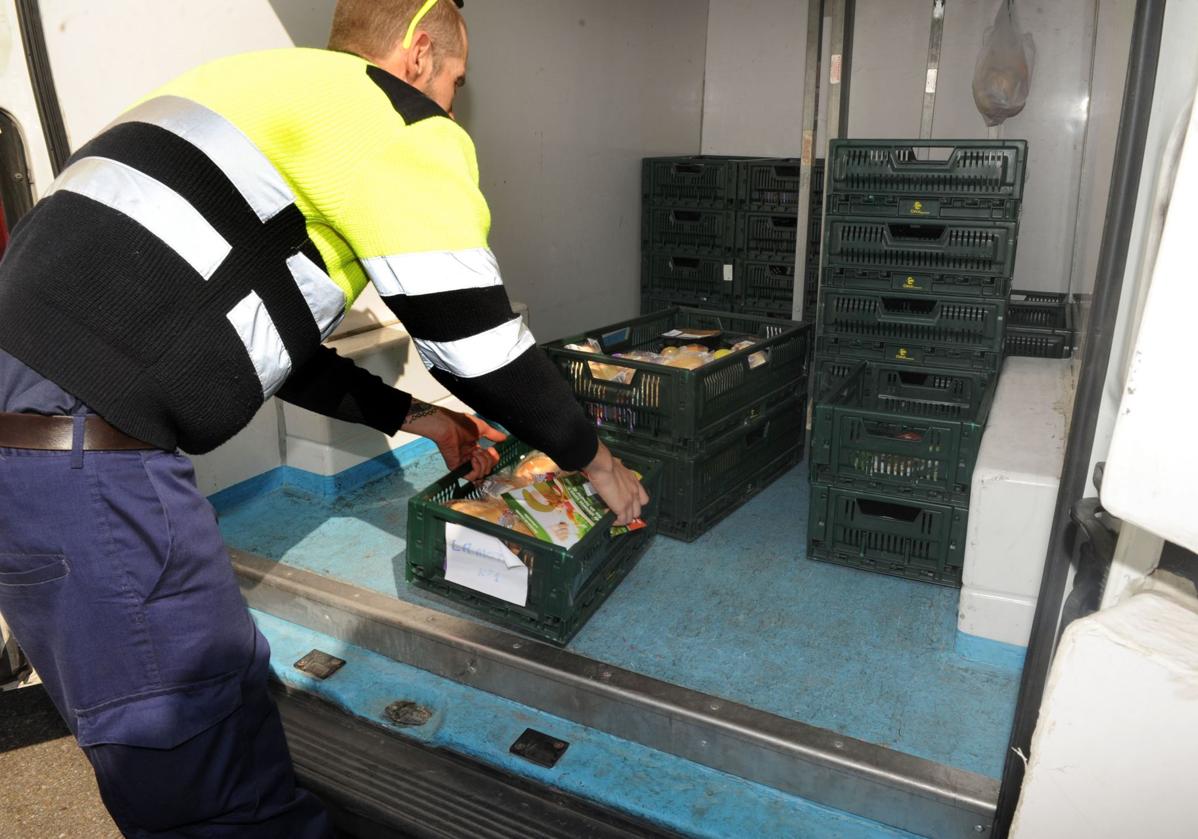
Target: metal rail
<point>871,781</point>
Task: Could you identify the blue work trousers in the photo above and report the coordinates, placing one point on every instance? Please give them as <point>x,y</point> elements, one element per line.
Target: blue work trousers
<point>115,580</point>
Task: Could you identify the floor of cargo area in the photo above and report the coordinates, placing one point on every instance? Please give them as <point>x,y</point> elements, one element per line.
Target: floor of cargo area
<point>741,613</point>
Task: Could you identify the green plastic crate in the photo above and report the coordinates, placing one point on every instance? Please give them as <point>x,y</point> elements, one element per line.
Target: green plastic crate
<point>698,231</point>
<point>705,181</point>
<point>946,179</point>
<point>699,490</point>
<point>675,407</point>
<point>652,305</point>
<point>1040,324</point>
<point>1039,310</point>
<point>766,285</point>
<point>910,319</point>
<point>904,431</point>
<point>772,184</point>
<point>934,247</point>
<point>1038,343</point>
<point>915,355</point>
<point>565,586</point>
<point>903,537</point>
<point>687,279</point>
<point>938,285</point>
<point>771,236</point>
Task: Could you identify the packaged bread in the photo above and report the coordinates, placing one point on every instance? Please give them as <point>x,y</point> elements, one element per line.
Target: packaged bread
<point>493,510</point>
<point>600,370</point>
<point>687,361</point>
<point>536,467</point>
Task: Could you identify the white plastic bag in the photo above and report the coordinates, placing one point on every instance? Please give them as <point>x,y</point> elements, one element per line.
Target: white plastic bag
<point>1003,76</point>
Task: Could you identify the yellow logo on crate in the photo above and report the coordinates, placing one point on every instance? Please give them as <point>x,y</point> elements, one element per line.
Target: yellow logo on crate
<point>903,355</point>
<point>918,210</point>
<point>910,283</point>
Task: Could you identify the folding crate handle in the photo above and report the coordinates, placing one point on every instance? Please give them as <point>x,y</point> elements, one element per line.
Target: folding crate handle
<point>786,171</point>
<point>921,311</point>
<point>784,222</point>
<point>686,216</point>
<point>687,262</point>
<point>914,234</point>
<point>883,431</point>
<point>888,510</point>
<point>689,168</point>
<point>757,436</point>
<point>928,164</point>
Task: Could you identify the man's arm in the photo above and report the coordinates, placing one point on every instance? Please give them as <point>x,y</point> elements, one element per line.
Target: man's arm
<point>333,386</point>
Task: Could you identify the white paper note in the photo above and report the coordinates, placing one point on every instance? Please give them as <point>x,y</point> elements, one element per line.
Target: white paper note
<point>484,564</point>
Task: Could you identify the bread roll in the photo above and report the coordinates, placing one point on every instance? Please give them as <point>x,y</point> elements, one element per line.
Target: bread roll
<point>536,467</point>
<point>493,510</point>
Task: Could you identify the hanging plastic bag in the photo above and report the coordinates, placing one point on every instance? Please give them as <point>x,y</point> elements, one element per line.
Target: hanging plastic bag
<point>1003,76</point>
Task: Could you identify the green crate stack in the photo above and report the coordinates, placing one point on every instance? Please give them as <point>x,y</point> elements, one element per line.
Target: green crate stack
<point>721,432</point>
<point>919,250</point>
<point>688,230</point>
<point>767,231</point>
<point>720,233</point>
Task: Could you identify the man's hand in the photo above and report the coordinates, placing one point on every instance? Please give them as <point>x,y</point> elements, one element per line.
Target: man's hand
<point>457,437</point>
<point>617,485</point>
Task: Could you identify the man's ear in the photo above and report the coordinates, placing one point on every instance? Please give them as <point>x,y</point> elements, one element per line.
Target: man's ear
<point>420,56</point>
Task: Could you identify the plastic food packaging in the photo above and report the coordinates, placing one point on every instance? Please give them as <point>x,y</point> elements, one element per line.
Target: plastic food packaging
<point>536,498</point>
<point>1002,78</point>
<point>494,510</point>
<point>603,372</point>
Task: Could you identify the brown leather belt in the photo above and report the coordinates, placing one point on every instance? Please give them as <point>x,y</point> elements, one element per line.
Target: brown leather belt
<point>56,434</point>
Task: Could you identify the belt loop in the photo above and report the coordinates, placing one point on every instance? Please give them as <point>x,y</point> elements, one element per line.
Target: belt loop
<point>77,438</point>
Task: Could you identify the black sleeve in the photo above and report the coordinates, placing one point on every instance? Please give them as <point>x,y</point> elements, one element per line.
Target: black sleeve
<point>531,399</point>
<point>336,387</point>
<point>527,395</point>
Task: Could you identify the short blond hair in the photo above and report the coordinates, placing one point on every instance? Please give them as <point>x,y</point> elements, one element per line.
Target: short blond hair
<point>373,28</point>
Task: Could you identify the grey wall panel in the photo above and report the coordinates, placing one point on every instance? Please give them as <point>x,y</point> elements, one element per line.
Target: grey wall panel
<point>890,60</point>
<point>756,57</point>
<point>563,99</point>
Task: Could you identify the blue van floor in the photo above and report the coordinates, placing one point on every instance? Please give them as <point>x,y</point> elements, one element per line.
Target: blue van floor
<point>740,613</point>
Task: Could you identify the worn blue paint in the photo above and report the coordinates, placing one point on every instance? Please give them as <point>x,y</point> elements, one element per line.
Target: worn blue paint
<point>323,486</point>
<point>740,613</point>
<point>993,653</point>
<point>647,784</point>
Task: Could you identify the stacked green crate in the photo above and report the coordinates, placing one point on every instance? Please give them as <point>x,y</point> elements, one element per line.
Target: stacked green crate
<point>1040,325</point>
<point>688,231</point>
<point>919,251</point>
<point>767,235</point>
<point>720,233</point>
<point>722,432</point>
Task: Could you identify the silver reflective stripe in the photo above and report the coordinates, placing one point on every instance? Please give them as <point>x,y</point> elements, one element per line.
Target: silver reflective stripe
<point>325,298</point>
<point>243,163</point>
<point>433,272</point>
<point>262,341</point>
<point>152,204</point>
<point>479,354</point>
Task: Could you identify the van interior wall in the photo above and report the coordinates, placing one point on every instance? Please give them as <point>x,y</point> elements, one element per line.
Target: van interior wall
<point>106,56</point>
<point>1069,122</point>
<point>755,76</point>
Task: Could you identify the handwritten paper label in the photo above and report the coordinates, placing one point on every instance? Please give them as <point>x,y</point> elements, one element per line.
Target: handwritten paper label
<point>484,564</point>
